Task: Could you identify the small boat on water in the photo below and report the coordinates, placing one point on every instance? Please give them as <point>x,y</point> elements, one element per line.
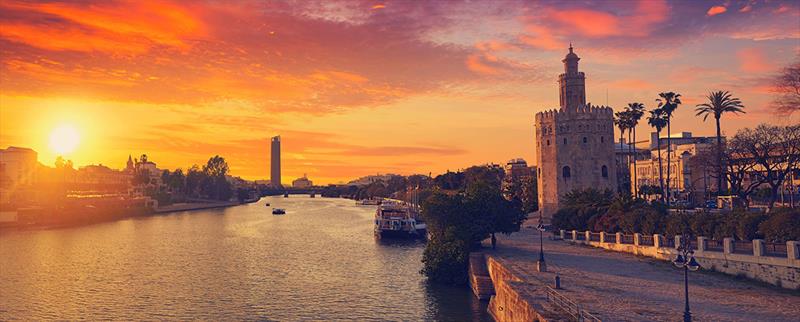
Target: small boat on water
<point>267,204</point>
<point>286,195</point>
<point>313,195</point>
<point>278,211</point>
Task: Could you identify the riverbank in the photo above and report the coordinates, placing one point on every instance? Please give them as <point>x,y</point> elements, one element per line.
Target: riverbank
<point>80,215</point>
<point>188,206</point>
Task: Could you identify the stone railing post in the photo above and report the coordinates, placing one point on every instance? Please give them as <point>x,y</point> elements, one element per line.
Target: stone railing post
<point>574,234</point>
<point>677,241</point>
<point>619,238</point>
<point>637,238</point>
<point>727,245</point>
<point>702,243</point>
<point>791,250</point>
<point>602,237</point>
<point>657,240</point>
<point>588,235</point>
<point>758,247</point>
<point>562,233</point>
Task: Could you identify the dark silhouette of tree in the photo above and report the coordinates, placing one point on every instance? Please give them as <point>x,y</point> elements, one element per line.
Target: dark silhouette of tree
<point>658,120</point>
<point>622,121</point>
<point>458,223</point>
<point>719,102</point>
<point>636,111</point>
<point>775,151</point>
<point>194,178</point>
<point>787,86</point>
<point>668,103</point>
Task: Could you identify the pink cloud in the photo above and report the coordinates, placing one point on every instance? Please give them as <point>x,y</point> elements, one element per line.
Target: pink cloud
<point>753,60</point>
<point>715,10</point>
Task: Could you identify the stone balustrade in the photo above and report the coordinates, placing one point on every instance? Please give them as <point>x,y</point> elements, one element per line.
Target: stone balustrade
<point>777,264</point>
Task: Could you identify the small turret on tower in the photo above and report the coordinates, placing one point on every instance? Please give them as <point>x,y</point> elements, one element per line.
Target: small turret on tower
<point>572,90</point>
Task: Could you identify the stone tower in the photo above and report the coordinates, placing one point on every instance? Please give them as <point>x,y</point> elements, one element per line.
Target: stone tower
<point>574,143</point>
<point>275,163</point>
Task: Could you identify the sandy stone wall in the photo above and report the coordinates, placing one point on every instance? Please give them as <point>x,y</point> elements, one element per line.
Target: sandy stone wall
<point>514,300</point>
<point>779,271</point>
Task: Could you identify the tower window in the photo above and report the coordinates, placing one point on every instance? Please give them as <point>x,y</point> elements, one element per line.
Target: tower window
<point>604,170</point>
<point>548,142</point>
<point>565,141</point>
<point>585,139</point>
<point>602,140</point>
<point>565,172</point>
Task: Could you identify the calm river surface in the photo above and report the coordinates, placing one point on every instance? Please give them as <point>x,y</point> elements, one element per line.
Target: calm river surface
<point>320,261</point>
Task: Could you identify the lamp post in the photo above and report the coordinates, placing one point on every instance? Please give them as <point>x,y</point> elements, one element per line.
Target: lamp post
<point>685,260</point>
<point>540,264</point>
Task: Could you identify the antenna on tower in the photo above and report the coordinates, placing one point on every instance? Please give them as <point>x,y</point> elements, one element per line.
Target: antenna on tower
<point>606,96</point>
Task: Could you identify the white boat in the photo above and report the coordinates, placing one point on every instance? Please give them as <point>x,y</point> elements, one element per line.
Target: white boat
<point>398,219</point>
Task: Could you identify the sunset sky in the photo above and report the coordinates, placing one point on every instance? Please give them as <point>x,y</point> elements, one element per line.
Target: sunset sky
<point>358,88</point>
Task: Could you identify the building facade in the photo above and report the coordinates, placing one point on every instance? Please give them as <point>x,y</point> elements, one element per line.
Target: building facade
<point>574,144</point>
<point>303,182</point>
<point>275,162</point>
<point>692,175</point>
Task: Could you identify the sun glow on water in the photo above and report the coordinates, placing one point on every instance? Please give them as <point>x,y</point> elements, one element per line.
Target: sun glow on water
<point>64,139</point>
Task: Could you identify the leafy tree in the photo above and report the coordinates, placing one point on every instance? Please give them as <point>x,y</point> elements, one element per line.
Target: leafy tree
<point>194,179</point>
<point>658,120</point>
<point>581,209</point>
<point>216,167</point>
<point>636,111</point>
<point>668,103</point>
<point>719,102</point>
<point>491,175</point>
<point>774,152</point>
<point>450,180</point>
<point>458,223</point>
<point>782,225</point>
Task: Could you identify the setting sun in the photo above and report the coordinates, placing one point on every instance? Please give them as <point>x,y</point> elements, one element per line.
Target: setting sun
<point>64,139</point>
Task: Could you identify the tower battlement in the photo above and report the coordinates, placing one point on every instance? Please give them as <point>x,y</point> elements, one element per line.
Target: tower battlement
<point>600,112</point>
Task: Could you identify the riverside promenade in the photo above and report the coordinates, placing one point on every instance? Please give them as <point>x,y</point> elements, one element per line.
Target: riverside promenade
<point>622,287</point>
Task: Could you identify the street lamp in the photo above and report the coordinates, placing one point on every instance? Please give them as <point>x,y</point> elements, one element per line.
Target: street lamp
<point>540,264</point>
<point>685,260</point>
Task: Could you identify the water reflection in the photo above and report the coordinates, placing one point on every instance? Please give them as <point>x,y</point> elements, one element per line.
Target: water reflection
<point>319,261</point>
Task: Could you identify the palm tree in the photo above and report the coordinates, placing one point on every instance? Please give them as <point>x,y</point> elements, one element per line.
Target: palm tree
<point>621,120</point>
<point>719,102</point>
<point>668,103</point>
<point>658,120</point>
<point>636,113</point>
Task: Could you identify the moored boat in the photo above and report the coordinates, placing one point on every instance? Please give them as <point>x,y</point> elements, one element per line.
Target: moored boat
<point>400,220</point>
<point>278,211</point>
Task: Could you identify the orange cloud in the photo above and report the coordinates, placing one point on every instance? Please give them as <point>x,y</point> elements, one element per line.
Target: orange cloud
<point>127,27</point>
<point>632,84</point>
<point>753,60</point>
<point>600,24</point>
<point>589,22</point>
<point>715,10</point>
<point>541,37</point>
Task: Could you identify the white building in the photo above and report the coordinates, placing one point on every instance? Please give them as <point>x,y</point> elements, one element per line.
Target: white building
<point>302,182</point>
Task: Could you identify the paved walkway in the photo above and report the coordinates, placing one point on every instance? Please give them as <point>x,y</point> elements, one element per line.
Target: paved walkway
<point>623,287</point>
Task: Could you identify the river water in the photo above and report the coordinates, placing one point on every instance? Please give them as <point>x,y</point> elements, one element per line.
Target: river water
<point>320,261</point>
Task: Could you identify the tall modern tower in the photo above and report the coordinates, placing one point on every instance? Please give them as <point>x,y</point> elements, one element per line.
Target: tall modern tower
<point>275,164</point>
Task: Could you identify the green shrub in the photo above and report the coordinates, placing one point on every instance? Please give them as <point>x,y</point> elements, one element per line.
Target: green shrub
<point>446,260</point>
<point>783,224</point>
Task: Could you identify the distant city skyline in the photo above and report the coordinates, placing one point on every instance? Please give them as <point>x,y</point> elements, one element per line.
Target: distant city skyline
<point>358,88</point>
